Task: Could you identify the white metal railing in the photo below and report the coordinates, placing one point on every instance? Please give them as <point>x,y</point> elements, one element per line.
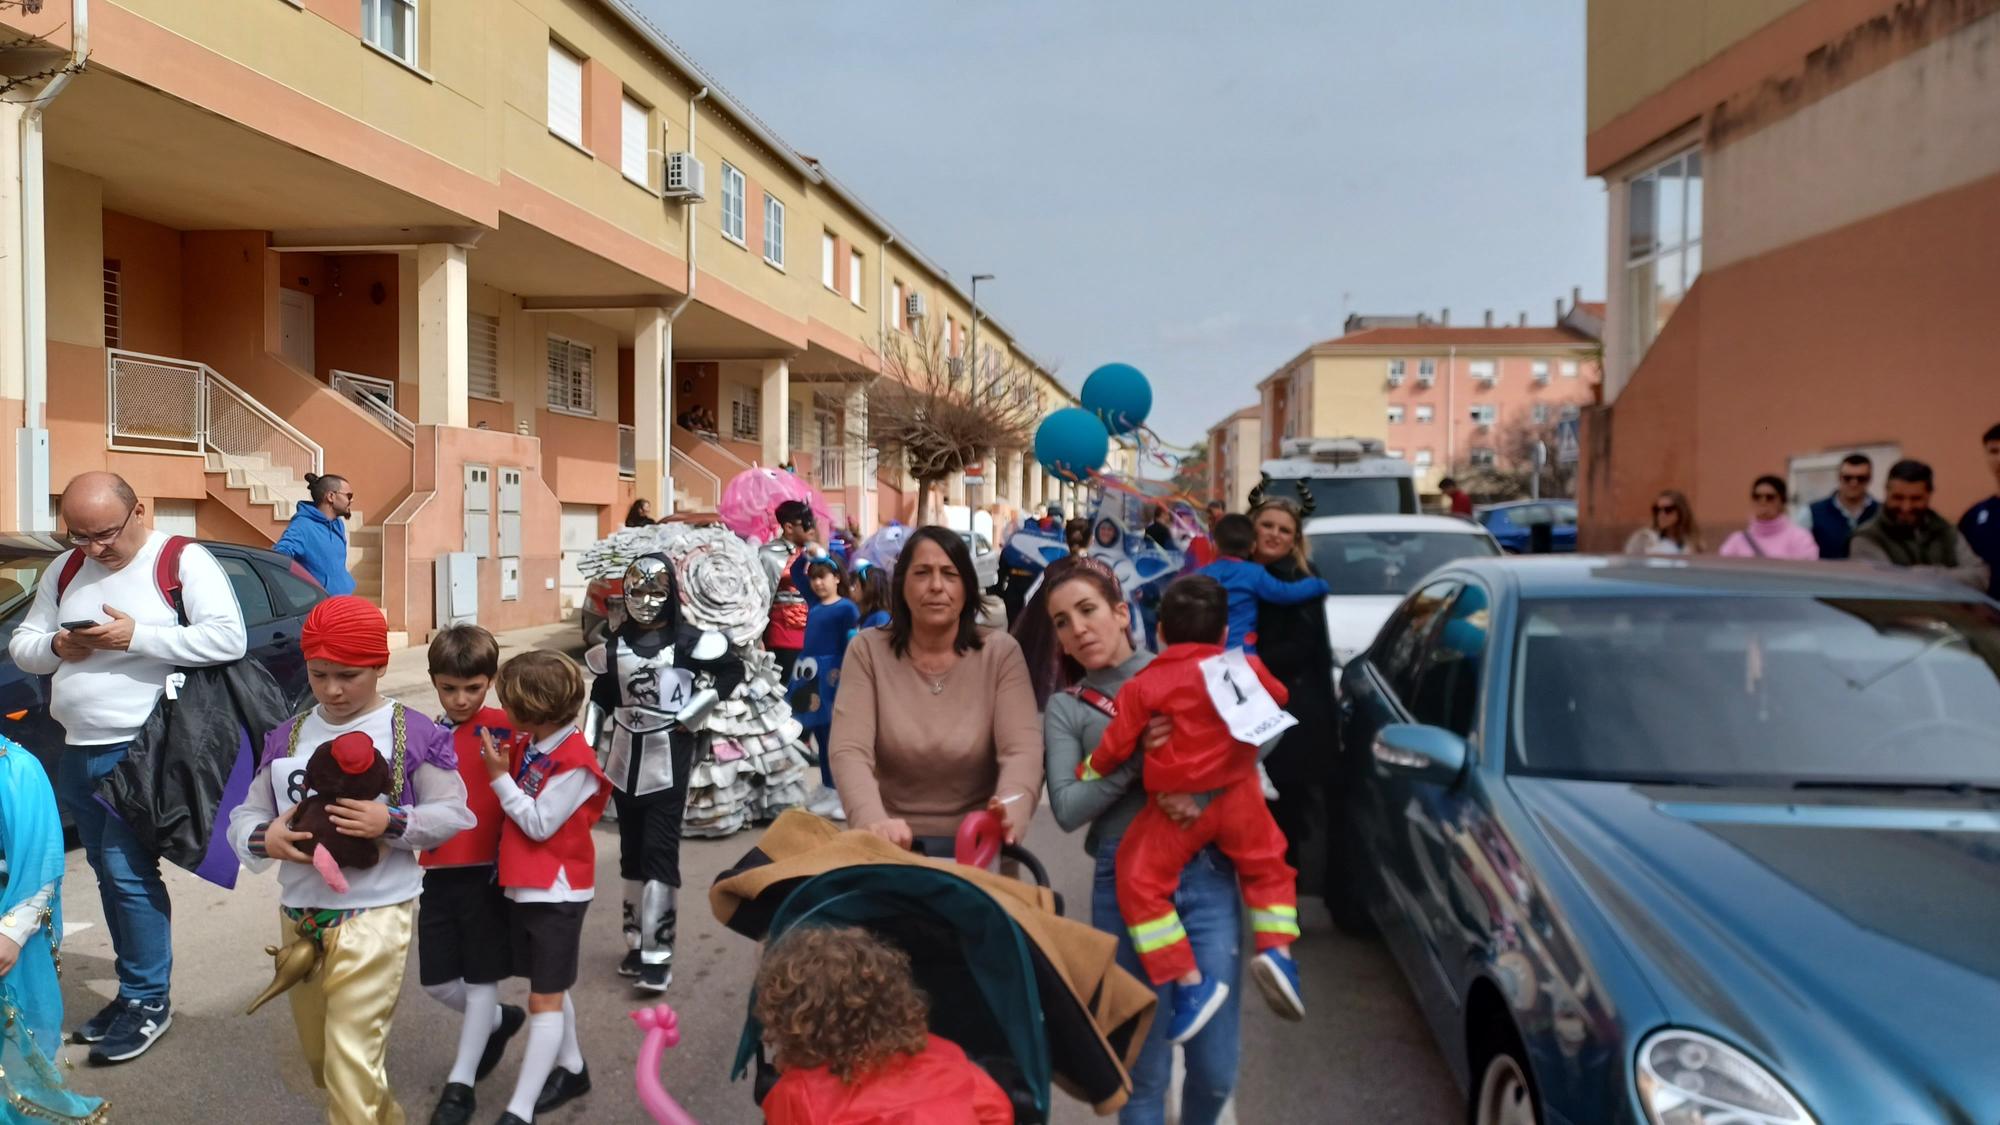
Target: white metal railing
<point>628,452</point>
<point>370,394</point>
<point>162,404</point>
<point>695,470</point>
<point>830,466</point>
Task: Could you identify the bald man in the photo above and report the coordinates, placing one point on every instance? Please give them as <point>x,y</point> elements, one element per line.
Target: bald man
<point>110,640</point>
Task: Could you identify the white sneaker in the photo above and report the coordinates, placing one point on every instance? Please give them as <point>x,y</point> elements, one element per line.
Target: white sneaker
<point>1264,779</point>
<point>826,803</point>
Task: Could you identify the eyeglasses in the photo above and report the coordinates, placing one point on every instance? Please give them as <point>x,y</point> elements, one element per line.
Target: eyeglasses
<point>100,538</point>
<point>1849,478</point>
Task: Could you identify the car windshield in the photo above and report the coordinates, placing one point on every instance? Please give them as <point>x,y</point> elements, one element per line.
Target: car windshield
<point>1760,691</point>
<point>1348,496</point>
<point>18,575</point>
<point>1365,563</point>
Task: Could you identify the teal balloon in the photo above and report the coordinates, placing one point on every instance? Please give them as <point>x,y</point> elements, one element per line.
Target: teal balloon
<point>1072,444</point>
<point>1120,396</point>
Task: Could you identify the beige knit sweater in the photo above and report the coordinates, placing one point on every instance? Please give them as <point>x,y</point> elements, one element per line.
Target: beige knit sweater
<point>901,751</point>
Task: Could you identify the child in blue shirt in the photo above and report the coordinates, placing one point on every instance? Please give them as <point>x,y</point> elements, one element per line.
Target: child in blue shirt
<point>816,675</point>
<point>869,586</point>
<point>1249,584</point>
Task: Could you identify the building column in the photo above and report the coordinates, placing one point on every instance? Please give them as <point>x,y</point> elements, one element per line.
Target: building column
<point>1010,479</point>
<point>652,405</point>
<point>441,343</point>
<point>775,411</point>
<point>854,442</point>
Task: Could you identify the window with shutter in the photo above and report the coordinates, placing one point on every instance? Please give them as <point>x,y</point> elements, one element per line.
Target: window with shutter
<point>565,94</point>
<point>114,331</point>
<point>391,27</point>
<point>826,261</point>
<point>746,408</point>
<point>854,276</point>
<point>733,188</point>
<point>572,390</point>
<point>634,133</point>
<point>774,231</point>
<point>482,356</point>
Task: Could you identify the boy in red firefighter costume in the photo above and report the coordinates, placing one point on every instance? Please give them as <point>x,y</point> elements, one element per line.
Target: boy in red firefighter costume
<point>551,790</point>
<point>1202,757</point>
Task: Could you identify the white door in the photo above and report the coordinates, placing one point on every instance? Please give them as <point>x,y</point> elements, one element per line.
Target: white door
<point>175,517</point>
<point>579,533</point>
<point>295,329</point>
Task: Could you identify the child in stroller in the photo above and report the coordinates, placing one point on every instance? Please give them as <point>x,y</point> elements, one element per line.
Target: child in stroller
<point>849,1030</point>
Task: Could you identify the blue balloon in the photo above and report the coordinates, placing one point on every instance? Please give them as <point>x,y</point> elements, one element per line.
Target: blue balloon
<point>1120,396</point>
<point>1072,444</point>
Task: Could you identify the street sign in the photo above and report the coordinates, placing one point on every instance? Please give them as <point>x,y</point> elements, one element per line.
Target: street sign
<point>1566,441</point>
<point>975,472</point>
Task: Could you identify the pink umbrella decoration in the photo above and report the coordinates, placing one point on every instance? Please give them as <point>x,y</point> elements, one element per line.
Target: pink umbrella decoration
<point>662,1030</point>
<point>751,498</point>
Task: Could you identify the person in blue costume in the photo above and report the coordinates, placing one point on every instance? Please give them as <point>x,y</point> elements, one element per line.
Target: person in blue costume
<point>868,585</point>
<point>830,623</point>
<point>31,866</point>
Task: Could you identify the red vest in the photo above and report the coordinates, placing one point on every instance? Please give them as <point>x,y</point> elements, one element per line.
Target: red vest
<point>481,842</point>
<point>526,862</point>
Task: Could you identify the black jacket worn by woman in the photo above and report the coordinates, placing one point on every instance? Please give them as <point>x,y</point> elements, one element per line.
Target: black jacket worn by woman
<point>1292,641</point>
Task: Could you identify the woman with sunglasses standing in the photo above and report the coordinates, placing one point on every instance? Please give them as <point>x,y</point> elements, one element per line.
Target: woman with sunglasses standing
<point>1673,531</point>
<point>1771,534</point>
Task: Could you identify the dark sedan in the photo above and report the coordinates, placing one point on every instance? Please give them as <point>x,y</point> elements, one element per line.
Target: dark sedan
<point>1686,843</point>
<point>273,592</point>
<point>1513,524</point>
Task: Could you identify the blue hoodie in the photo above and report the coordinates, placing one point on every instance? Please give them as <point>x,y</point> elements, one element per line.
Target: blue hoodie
<point>1248,584</point>
<point>319,543</point>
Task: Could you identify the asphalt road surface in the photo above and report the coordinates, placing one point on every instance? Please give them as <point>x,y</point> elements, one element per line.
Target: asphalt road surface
<point>1363,1055</point>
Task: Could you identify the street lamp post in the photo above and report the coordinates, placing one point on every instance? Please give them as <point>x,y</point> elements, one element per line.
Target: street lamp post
<point>972,347</point>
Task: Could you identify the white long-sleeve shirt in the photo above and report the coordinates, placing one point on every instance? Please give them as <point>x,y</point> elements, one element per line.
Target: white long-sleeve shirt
<point>436,809</point>
<point>539,816</point>
<point>106,696</point>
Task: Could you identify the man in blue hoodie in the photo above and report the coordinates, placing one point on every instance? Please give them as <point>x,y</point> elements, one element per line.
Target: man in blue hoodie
<point>317,535</point>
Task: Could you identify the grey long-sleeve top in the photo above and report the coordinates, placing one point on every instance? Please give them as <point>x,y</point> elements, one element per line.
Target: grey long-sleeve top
<point>1070,730</point>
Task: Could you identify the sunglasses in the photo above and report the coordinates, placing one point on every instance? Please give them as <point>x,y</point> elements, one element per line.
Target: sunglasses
<point>1771,496</point>
<point>1664,509</point>
<point>1849,479</point>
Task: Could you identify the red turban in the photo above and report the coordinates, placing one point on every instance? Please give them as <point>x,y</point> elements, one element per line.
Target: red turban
<point>354,752</point>
<point>346,630</point>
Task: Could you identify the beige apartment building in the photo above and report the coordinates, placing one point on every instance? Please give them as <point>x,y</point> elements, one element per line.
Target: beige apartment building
<point>505,266</point>
<point>1235,449</point>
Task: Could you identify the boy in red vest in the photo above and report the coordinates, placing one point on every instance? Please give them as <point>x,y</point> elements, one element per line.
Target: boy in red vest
<point>550,787</point>
<point>1203,756</point>
<point>462,953</point>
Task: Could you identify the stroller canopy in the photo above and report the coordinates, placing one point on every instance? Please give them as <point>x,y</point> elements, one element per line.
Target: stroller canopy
<point>1029,995</point>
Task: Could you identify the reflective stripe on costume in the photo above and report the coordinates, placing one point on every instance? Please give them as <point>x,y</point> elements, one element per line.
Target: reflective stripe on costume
<point>1159,933</point>
<point>1275,919</point>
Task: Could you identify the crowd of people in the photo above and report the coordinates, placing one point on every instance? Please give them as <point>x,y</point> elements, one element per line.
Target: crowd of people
<point>1900,530</point>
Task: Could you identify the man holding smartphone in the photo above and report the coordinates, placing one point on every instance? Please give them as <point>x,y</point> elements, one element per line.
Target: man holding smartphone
<point>111,640</point>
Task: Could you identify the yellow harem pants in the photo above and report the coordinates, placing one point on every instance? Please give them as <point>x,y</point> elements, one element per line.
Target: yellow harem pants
<point>343,1012</point>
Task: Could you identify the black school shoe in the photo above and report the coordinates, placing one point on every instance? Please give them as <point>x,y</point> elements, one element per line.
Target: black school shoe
<point>561,1088</point>
<point>455,1105</point>
<point>511,1019</point>
<point>629,967</point>
<point>509,1119</point>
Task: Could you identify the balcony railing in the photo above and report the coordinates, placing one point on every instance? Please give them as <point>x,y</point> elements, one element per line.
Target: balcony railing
<point>830,467</point>
<point>628,452</point>
<point>367,393</point>
<point>159,404</point>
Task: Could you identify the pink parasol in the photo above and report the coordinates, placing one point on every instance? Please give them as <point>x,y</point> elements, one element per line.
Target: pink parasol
<point>751,498</point>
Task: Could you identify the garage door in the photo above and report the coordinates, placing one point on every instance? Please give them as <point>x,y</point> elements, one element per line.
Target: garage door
<point>579,531</point>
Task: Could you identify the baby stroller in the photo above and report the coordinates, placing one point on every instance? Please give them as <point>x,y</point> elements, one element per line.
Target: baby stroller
<point>1035,999</point>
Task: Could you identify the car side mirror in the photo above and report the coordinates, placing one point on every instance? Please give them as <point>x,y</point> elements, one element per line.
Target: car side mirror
<point>1425,753</point>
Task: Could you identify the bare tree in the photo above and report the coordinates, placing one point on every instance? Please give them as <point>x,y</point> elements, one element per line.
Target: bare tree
<point>940,414</point>
<point>1191,474</point>
<point>1512,475</point>
<point>30,62</point>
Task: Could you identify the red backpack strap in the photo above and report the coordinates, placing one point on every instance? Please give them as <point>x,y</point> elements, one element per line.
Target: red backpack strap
<point>72,563</point>
<point>167,573</point>
<point>1095,698</point>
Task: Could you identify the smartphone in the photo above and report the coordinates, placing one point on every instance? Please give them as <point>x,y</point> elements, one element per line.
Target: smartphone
<point>73,626</point>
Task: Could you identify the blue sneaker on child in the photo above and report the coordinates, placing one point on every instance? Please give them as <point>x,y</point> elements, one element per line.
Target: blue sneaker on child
<point>1278,976</point>
<point>1194,1006</point>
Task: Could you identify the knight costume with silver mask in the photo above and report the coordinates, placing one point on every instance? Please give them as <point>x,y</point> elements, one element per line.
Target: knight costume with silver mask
<point>650,758</point>
<point>784,558</point>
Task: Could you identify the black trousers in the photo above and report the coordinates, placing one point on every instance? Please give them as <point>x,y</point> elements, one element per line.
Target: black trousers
<point>649,827</point>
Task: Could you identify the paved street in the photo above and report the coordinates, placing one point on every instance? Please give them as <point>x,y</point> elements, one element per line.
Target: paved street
<point>1363,1056</point>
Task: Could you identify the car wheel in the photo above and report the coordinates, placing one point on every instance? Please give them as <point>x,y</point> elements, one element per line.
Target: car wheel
<point>1505,1093</point>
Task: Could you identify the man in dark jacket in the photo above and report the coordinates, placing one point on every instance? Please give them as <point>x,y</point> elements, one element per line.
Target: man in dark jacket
<point>317,535</point>
<point>1835,517</point>
<point>1909,534</point>
<point>1981,522</point>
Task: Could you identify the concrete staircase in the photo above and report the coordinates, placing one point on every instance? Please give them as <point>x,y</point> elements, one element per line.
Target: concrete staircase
<point>268,485</point>
<point>272,495</point>
<point>364,562</point>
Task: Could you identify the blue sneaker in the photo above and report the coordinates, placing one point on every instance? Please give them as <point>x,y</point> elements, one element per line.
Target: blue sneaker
<point>1278,976</point>
<point>1194,1006</point>
<point>132,1032</point>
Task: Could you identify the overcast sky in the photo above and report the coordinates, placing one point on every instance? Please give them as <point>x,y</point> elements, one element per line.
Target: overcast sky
<point>1200,189</point>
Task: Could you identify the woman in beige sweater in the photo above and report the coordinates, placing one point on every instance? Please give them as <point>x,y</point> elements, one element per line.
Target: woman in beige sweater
<point>934,719</point>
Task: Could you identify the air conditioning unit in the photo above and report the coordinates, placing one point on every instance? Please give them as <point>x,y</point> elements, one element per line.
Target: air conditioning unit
<point>914,306</point>
<point>1395,380</point>
<point>684,176</point>
<point>1426,380</point>
<point>1541,378</point>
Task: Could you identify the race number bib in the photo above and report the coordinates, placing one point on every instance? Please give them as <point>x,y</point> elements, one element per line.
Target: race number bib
<point>676,688</point>
<point>288,781</point>
<point>1239,697</point>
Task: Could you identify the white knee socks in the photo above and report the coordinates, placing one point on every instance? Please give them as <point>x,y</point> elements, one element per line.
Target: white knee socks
<point>545,1036</point>
<point>451,994</point>
<point>570,1058</point>
<point>482,1015</point>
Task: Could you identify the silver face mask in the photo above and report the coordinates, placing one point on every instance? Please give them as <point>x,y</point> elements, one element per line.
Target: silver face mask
<point>649,590</point>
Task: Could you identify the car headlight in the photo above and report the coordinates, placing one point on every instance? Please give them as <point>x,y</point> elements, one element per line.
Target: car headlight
<point>1687,1078</point>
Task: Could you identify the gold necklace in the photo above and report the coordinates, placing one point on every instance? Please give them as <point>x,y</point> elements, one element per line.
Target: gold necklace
<point>936,682</point>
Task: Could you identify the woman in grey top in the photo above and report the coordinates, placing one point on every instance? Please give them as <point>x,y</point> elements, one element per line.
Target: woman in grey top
<point>1076,635</point>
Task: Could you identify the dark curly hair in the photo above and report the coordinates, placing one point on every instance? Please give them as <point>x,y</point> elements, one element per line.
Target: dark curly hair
<point>841,998</point>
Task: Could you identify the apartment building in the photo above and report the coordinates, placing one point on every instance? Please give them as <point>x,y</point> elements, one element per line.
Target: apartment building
<point>505,266</point>
<point>1235,449</point>
<point>1448,398</point>
<point>1804,201</point>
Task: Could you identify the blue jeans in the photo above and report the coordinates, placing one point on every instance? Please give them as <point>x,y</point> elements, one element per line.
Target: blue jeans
<point>1211,909</point>
<point>136,908</point>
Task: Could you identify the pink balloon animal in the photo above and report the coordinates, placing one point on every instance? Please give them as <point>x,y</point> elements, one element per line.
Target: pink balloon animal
<point>662,1030</point>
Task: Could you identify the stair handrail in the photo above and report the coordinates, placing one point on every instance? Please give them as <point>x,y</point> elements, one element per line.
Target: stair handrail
<point>206,380</point>
<point>700,469</point>
<point>350,387</point>
<point>716,441</point>
<point>263,414</point>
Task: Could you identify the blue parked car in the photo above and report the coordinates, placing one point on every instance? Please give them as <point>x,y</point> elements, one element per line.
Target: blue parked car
<point>1510,523</point>
<point>1670,842</point>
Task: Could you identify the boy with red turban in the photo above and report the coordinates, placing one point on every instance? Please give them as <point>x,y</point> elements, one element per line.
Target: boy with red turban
<point>343,1010</point>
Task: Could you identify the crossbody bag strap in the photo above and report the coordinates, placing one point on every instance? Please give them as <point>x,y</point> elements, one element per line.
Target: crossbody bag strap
<point>1096,699</point>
